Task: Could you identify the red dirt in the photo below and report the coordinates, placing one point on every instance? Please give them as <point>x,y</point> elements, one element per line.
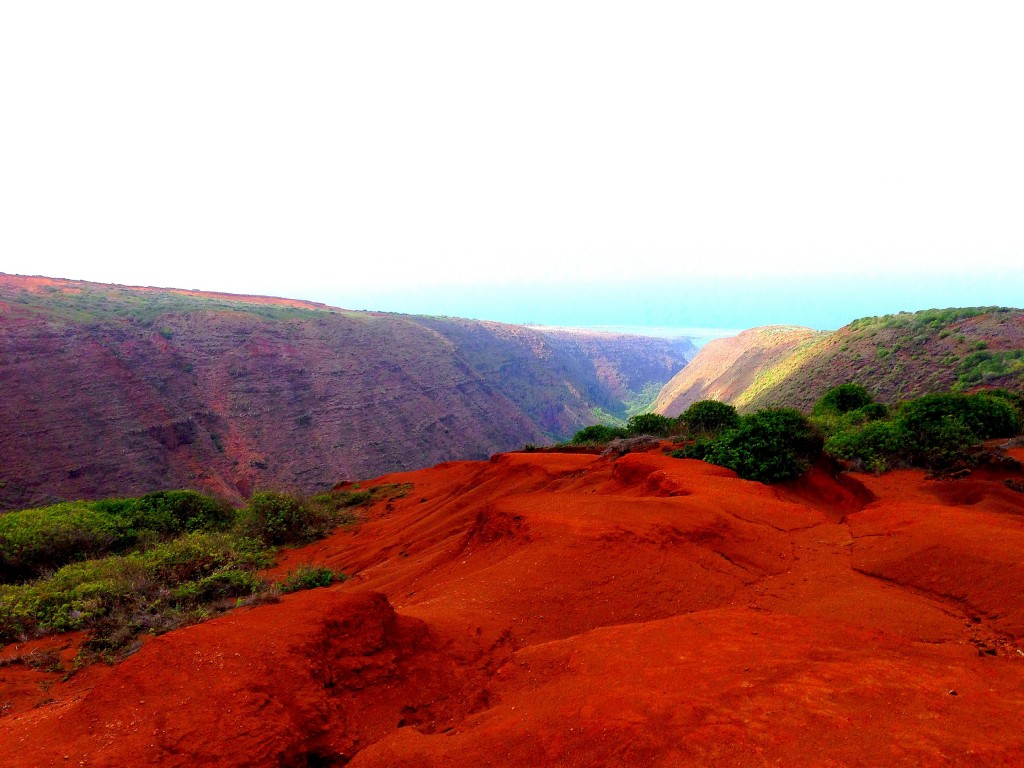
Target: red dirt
<point>574,610</point>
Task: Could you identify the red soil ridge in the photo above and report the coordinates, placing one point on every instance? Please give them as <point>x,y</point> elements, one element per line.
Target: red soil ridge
<point>578,610</point>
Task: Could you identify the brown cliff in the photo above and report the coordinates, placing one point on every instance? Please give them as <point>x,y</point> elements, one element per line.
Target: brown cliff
<point>109,390</point>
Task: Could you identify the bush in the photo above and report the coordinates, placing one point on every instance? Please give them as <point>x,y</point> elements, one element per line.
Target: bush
<point>768,446</point>
<point>36,540</point>
<point>984,415</point>
<point>123,595</point>
<point>843,399</point>
<point>710,416</point>
<point>310,577</point>
<point>597,433</point>
<point>276,519</point>
<point>649,424</point>
<point>938,432</point>
<point>172,512</point>
<point>879,446</point>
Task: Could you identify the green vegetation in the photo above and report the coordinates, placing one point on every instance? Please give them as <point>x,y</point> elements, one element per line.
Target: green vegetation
<point>710,417</point>
<point>123,567</point>
<point>597,433</point>
<point>940,432</point>
<point>924,321</point>
<point>644,399</point>
<point>310,577</point>
<point>649,424</point>
<point>769,446</point>
<point>984,366</point>
<point>642,424</point>
<point>35,540</point>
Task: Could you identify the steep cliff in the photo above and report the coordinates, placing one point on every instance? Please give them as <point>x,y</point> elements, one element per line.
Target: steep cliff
<point>113,390</point>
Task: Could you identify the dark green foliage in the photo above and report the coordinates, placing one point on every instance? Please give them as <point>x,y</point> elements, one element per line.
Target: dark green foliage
<point>649,424</point>
<point>877,446</point>
<point>939,432</point>
<point>769,446</point>
<point>843,399</point>
<point>984,415</point>
<point>310,577</point>
<point>597,433</point>
<point>276,519</point>
<point>35,540</point>
<point>710,416</point>
<point>172,512</point>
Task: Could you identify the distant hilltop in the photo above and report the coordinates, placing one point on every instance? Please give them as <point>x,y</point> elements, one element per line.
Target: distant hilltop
<point>895,356</point>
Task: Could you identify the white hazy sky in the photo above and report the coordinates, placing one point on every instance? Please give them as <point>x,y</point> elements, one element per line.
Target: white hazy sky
<point>359,152</point>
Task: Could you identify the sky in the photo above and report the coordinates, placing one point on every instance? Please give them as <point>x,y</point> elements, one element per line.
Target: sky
<point>724,164</point>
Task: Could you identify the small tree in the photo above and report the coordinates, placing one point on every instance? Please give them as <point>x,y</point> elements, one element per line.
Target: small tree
<point>597,433</point>
<point>769,446</point>
<point>710,416</point>
<point>843,399</point>
<point>649,424</point>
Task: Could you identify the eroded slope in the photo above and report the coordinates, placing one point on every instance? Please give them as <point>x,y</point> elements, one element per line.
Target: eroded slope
<point>583,610</point>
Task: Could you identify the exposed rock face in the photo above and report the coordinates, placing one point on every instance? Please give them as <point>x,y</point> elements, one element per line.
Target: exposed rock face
<point>896,357</point>
<point>725,369</point>
<point>117,391</point>
<point>577,610</point>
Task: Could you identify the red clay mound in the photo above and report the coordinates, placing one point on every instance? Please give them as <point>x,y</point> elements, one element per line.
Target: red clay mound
<point>576,610</point>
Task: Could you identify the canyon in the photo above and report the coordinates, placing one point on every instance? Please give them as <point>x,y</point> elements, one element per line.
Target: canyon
<point>115,390</point>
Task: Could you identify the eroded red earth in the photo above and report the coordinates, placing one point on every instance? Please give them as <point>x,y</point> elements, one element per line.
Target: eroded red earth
<point>577,610</point>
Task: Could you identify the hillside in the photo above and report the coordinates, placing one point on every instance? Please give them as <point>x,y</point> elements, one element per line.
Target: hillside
<point>725,369</point>
<point>111,390</point>
<point>895,356</point>
<point>576,610</point>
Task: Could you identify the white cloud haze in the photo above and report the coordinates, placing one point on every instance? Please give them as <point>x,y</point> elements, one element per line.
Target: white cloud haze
<point>306,148</point>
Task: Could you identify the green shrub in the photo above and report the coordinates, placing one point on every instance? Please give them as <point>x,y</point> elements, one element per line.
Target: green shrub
<point>649,424</point>
<point>877,447</point>
<point>135,592</point>
<point>984,415</point>
<point>768,446</point>
<point>710,416</point>
<point>172,512</point>
<point>276,519</point>
<point>310,577</point>
<point>843,399</point>
<point>597,433</point>
<point>35,540</point>
<point>939,432</point>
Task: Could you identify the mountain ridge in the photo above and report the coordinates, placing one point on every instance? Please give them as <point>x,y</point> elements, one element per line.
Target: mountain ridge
<point>117,390</point>
<point>896,357</point>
